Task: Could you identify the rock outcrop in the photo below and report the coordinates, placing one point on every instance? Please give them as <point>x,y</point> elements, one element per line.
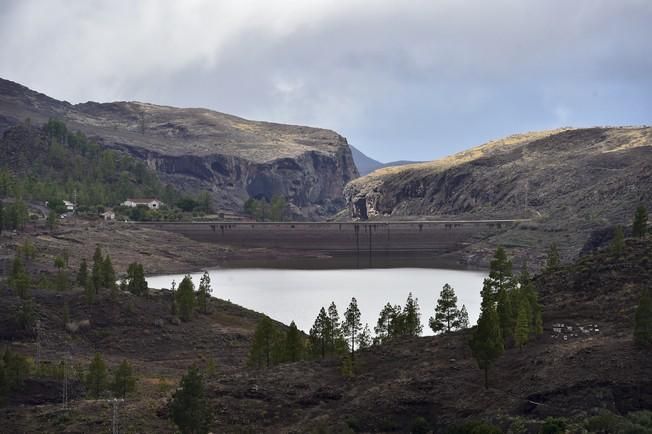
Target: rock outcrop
<point>576,171</point>
<point>199,149</point>
<point>570,182</point>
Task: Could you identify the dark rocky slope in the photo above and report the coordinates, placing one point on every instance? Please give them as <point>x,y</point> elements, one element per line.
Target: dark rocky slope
<point>436,378</point>
<point>570,182</point>
<point>199,149</point>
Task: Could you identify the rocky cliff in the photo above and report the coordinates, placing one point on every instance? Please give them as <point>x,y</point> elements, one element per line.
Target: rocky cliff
<point>568,181</point>
<point>199,149</point>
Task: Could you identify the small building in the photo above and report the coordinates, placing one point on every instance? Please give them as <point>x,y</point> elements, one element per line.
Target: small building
<point>108,215</point>
<point>69,205</point>
<point>150,203</point>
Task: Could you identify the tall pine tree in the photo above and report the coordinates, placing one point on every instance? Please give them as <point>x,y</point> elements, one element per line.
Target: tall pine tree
<point>185,295</point>
<point>522,332</point>
<point>189,406</point>
<point>447,317</point>
<point>319,336</point>
<point>204,292</point>
<point>487,343</point>
<point>352,325</point>
<point>412,317</point>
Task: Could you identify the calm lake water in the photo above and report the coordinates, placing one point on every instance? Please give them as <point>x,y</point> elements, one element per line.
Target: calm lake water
<point>297,295</point>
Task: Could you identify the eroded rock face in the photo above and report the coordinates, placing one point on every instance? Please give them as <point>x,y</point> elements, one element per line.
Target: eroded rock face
<point>199,149</point>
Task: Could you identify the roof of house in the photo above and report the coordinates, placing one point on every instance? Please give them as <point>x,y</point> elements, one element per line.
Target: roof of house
<point>142,199</point>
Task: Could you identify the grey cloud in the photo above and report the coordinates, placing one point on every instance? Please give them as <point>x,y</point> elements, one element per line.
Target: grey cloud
<point>402,80</point>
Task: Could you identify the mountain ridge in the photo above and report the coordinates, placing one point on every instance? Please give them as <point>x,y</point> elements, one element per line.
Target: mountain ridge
<point>204,150</point>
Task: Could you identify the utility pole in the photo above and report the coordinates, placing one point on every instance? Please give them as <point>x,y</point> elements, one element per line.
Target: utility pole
<point>66,361</point>
<point>116,417</point>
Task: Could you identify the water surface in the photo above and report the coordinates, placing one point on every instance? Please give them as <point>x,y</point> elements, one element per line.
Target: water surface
<point>297,295</point>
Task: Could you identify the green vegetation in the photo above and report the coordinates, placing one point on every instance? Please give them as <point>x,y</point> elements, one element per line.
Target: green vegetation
<point>14,215</point>
<point>14,369</point>
<point>352,325</point>
<point>266,337</point>
<point>294,346</point>
<point>487,343</point>
<point>185,297</point>
<point>54,163</point>
<point>617,245</point>
<point>552,259</point>
<point>96,378</point>
<point>447,317</point>
<point>19,279</point>
<point>124,381</point>
<point>643,321</point>
<point>189,407</point>
<point>136,283</point>
<point>510,309</point>
<point>264,210</point>
<point>639,227</point>
<point>82,273</point>
<point>204,292</point>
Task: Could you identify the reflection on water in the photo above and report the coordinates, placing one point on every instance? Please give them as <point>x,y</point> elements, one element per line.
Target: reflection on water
<point>288,295</point>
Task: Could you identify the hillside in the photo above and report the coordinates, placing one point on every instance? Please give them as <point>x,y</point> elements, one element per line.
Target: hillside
<point>570,182</point>
<point>430,380</point>
<point>198,149</point>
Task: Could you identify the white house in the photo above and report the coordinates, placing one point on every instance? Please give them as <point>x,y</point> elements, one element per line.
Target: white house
<point>108,215</point>
<point>69,205</point>
<point>150,203</point>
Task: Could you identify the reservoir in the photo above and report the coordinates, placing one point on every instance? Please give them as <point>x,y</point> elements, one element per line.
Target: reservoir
<point>297,295</point>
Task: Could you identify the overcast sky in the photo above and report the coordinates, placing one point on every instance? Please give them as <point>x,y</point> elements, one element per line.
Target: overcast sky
<point>400,79</point>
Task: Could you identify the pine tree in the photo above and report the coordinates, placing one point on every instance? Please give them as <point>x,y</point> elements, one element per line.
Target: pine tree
<point>352,325</point>
<point>136,282</point>
<point>124,381</point>
<point>186,298</point>
<point>319,337</point>
<point>97,270</point>
<point>506,317</point>
<point>364,338</point>
<point>464,318</point>
<point>447,317</point>
<point>19,279</point>
<point>552,259</point>
<point>96,376</point>
<point>334,330</point>
<point>82,274</point>
<point>500,277</point>
<point>412,317</point>
<point>383,327</point>
<point>204,292</point>
<point>189,407</point>
<point>618,242</point>
<point>639,228</point>
<point>643,321</point>
<point>530,294</point>
<point>487,342</point>
<point>108,273</point>
<point>262,346</point>
<point>293,343</point>
<point>522,331</point>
